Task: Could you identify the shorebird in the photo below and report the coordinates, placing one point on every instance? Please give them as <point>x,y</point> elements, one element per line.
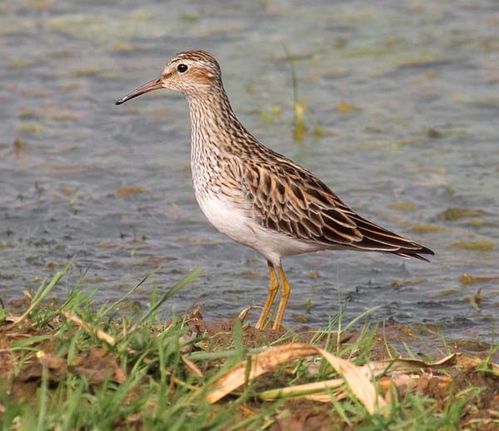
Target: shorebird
<point>256,196</point>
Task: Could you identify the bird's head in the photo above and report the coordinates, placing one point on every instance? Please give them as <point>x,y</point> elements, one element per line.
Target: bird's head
<point>190,72</point>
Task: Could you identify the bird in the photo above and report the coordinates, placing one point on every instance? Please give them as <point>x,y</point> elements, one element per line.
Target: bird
<point>256,196</point>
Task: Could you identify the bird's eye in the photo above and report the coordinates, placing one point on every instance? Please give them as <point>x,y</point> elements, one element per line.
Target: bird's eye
<point>182,68</point>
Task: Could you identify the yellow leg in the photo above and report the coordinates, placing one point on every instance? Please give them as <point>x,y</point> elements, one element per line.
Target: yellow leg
<point>273,286</point>
<point>285,289</point>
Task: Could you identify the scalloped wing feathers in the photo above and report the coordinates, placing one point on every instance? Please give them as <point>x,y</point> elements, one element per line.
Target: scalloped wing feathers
<point>287,198</point>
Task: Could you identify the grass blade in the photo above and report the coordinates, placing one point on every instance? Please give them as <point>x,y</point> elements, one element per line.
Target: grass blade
<point>41,293</point>
<point>189,278</point>
<point>130,292</point>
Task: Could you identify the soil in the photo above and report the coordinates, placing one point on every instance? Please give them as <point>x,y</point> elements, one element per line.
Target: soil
<point>98,364</point>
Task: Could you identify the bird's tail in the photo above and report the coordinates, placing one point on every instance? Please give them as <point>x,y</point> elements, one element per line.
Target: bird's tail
<point>376,238</point>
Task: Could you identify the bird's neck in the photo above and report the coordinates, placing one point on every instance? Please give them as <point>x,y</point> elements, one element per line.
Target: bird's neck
<point>214,126</point>
<point>212,120</point>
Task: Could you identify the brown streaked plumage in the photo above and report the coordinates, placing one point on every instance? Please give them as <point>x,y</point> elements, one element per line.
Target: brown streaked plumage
<point>256,196</point>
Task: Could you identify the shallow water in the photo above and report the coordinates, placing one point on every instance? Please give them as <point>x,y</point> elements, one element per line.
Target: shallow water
<point>405,97</point>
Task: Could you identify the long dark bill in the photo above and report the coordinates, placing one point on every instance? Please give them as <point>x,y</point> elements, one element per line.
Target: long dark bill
<point>155,84</point>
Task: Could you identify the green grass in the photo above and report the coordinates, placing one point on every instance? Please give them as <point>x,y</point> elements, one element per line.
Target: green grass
<point>77,365</point>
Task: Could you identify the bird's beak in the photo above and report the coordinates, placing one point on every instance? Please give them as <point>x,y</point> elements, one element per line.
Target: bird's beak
<point>155,84</point>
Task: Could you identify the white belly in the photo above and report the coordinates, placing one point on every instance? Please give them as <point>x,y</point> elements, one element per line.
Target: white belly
<point>226,217</point>
<point>236,222</point>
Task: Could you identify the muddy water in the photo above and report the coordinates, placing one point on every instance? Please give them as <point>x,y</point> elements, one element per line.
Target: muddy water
<point>401,104</point>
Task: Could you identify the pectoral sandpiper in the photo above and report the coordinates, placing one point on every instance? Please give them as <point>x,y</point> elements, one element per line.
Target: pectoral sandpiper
<point>256,196</point>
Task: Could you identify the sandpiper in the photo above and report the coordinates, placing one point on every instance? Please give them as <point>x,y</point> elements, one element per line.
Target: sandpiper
<point>256,196</point>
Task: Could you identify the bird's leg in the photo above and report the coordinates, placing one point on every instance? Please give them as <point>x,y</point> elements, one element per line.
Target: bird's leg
<point>273,286</point>
<point>285,289</point>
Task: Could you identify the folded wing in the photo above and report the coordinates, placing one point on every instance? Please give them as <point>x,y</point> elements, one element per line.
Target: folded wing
<point>289,199</point>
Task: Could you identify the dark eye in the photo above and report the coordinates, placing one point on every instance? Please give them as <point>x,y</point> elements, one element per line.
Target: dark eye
<point>182,68</point>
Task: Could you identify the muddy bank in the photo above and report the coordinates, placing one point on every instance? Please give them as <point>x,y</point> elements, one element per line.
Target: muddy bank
<point>411,370</point>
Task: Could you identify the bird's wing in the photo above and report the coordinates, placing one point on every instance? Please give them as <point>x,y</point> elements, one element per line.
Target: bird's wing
<point>289,199</point>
